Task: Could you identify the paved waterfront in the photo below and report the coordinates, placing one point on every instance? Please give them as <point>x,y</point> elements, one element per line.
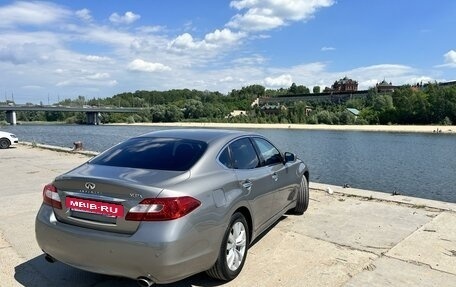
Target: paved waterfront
<point>349,238</point>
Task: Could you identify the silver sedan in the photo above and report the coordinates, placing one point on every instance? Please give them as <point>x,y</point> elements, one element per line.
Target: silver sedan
<point>168,204</point>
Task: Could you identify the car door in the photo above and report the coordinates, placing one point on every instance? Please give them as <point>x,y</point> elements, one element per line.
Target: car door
<point>254,180</point>
<point>284,180</point>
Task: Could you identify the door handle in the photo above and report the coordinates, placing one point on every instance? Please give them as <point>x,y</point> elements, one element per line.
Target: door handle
<point>247,185</point>
<point>275,177</point>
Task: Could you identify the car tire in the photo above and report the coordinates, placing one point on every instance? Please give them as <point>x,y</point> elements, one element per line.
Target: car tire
<point>4,143</point>
<point>233,250</point>
<point>303,197</point>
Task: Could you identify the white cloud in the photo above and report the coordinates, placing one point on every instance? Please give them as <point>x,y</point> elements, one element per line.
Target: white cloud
<point>31,13</point>
<point>32,87</point>
<point>219,39</point>
<point>98,76</point>
<point>255,59</point>
<point>143,66</point>
<point>150,29</point>
<point>383,70</point>
<point>279,81</point>
<point>84,14</point>
<point>368,76</point>
<point>101,35</point>
<point>96,59</point>
<point>23,53</point>
<point>225,36</point>
<point>226,79</point>
<point>251,21</point>
<point>86,82</point>
<point>185,41</point>
<point>326,49</point>
<point>128,18</point>
<point>270,14</point>
<point>450,58</point>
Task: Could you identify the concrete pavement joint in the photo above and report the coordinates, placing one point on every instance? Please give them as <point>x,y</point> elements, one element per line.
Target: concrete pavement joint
<point>418,263</point>
<point>335,243</point>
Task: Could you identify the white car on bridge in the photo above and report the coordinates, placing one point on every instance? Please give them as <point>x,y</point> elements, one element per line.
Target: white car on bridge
<point>7,139</point>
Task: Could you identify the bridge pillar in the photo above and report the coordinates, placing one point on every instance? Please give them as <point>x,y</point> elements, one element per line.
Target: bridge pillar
<point>93,118</point>
<point>11,117</point>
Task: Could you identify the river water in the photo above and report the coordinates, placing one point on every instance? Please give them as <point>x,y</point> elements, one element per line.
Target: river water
<point>419,165</point>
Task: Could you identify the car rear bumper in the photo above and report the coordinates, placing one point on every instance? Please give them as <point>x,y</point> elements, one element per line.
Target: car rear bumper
<point>162,252</point>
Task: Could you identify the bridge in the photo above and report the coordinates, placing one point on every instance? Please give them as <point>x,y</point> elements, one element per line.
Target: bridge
<point>93,113</point>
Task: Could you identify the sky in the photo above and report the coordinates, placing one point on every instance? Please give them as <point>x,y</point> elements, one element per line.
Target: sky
<point>53,50</point>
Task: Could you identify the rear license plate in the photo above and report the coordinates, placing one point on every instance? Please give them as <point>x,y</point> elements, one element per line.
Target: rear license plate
<point>92,206</point>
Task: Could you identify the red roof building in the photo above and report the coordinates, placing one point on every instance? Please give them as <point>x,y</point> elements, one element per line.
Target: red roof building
<point>345,85</point>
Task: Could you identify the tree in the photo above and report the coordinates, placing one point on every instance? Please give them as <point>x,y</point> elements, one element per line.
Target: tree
<point>346,118</point>
<point>369,116</point>
<point>384,108</point>
<point>316,89</point>
<point>302,90</point>
<point>299,111</point>
<point>158,113</point>
<point>442,101</point>
<point>52,116</point>
<point>412,107</point>
<point>173,113</point>
<point>193,109</point>
<point>293,89</point>
<point>324,117</point>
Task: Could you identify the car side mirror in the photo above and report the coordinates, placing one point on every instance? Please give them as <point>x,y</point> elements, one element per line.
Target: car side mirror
<point>289,157</point>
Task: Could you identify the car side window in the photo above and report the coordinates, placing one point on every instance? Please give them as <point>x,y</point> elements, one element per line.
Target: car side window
<point>270,153</point>
<point>244,154</point>
<point>225,158</point>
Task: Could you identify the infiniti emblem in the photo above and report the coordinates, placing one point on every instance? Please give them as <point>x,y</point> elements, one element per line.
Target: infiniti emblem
<point>90,185</point>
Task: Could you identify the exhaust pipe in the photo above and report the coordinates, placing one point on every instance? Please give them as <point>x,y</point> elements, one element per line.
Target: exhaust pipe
<point>49,258</point>
<point>144,282</point>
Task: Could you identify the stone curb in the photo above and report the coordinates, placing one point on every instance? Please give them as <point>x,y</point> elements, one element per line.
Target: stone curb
<point>60,149</point>
<point>383,196</point>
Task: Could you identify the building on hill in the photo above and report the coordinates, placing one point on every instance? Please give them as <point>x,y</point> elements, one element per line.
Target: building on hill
<point>272,108</point>
<point>384,87</point>
<point>345,85</point>
<point>237,113</point>
<point>354,112</point>
<point>255,103</point>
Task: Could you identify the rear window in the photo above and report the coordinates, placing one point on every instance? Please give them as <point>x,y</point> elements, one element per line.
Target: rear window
<point>154,153</point>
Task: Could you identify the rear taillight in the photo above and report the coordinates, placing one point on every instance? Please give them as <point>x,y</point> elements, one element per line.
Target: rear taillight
<point>158,209</point>
<point>51,196</point>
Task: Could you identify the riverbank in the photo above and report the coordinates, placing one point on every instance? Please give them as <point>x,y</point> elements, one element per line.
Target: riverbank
<point>349,237</point>
<point>364,128</point>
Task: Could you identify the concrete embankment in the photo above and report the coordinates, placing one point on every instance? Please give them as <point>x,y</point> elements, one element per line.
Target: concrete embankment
<point>347,238</point>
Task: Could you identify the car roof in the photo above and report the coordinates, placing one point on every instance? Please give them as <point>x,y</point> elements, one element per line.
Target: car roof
<point>206,135</point>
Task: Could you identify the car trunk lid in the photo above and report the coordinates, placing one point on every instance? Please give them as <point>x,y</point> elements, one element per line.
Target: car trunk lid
<point>99,197</point>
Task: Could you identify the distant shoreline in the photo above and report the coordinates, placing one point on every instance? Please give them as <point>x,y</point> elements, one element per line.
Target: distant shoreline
<point>364,128</point>
<point>361,128</point>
